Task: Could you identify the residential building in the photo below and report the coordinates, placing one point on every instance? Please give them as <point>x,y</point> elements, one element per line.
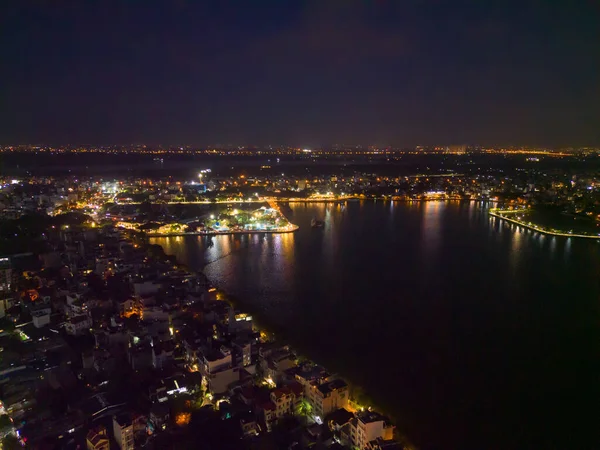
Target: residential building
<point>276,363</point>
<point>367,427</point>
<point>128,307</point>
<point>243,352</point>
<point>269,415</point>
<point>40,318</point>
<point>220,381</point>
<point>218,369</point>
<point>97,439</point>
<point>327,397</point>
<point>239,322</point>
<point>283,399</point>
<point>162,354</point>
<point>123,431</point>
<point>140,355</point>
<point>282,402</point>
<point>248,424</point>
<point>338,419</point>
<point>159,416</point>
<point>308,374</point>
<point>297,391</point>
<point>146,288</point>
<point>78,325</point>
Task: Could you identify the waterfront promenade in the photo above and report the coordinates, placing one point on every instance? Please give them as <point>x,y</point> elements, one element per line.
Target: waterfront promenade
<point>503,214</point>
<point>290,228</point>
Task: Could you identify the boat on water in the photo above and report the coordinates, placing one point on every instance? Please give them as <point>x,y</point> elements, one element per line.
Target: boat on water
<point>316,223</point>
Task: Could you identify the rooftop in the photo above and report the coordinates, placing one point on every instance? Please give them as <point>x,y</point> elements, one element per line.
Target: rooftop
<point>97,435</point>
<point>340,417</point>
<point>268,406</point>
<point>386,445</point>
<point>124,420</point>
<point>79,319</point>
<point>309,371</point>
<point>370,417</point>
<point>214,355</point>
<point>280,392</point>
<point>99,404</point>
<point>334,385</point>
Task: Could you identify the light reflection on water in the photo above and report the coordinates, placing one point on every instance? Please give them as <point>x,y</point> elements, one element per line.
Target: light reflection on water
<point>453,294</point>
<point>432,226</point>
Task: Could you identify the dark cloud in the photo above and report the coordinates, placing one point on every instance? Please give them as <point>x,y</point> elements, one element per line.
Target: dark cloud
<point>319,71</point>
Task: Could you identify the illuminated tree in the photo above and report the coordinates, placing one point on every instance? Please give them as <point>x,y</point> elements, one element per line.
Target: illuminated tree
<point>182,419</point>
<point>304,409</point>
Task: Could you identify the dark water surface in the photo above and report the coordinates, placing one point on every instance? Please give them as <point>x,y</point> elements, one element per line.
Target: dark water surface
<point>472,332</point>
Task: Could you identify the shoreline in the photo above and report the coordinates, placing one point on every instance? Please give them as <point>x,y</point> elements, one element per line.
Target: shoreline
<point>323,200</point>
<point>277,335</point>
<point>536,228</point>
<point>385,199</point>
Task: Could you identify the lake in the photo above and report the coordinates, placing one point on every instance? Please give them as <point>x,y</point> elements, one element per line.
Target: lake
<point>471,332</point>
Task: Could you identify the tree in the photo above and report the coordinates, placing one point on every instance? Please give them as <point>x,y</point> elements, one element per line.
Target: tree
<point>304,409</point>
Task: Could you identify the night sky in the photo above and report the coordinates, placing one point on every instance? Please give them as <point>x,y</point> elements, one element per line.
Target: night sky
<point>301,73</point>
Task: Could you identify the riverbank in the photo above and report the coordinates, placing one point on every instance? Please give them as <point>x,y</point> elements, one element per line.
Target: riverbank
<point>502,214</point>
<point>359,400</point>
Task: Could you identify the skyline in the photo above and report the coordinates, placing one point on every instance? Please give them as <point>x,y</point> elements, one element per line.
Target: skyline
<point>419,73</point>
<point>333,148</point>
